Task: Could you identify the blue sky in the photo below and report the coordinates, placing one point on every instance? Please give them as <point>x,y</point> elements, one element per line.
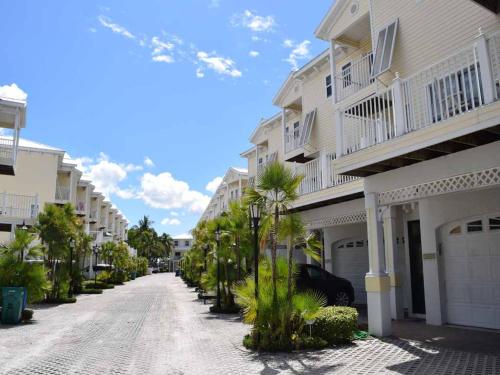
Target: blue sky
<point>155,99</point>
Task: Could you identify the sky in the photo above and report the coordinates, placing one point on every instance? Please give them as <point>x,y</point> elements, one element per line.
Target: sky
<point>154,99</point>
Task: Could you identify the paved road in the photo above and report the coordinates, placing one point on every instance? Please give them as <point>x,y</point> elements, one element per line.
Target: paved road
<point>155,325</point>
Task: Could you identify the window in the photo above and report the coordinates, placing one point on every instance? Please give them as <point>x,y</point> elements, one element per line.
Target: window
<point>176,243</point>
<point>186,243</point>
<point>346,75</point>
<point>359,243</point>
<point>475,226</point>
<point>456,230</point>
<point>328,83</point>
<point>315,273</point>
<point>296,130</point>
<point>494,223</point>
<point>177,253</point>
<point>385,47</point>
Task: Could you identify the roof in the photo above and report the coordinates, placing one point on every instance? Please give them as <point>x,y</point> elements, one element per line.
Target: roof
<point>263,123</point>
<point>26,143</point>
<point>329,19</point>
<point>183,236</point>
<point>240,170</point>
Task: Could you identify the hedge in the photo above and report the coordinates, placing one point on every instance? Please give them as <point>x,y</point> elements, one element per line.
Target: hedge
<point>336,324</point>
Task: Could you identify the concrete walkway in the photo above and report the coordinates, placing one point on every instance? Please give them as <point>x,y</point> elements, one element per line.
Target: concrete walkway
<point>155,325</point>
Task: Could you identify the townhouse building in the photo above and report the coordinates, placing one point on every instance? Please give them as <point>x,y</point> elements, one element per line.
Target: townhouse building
<point>395,129</point>
<point>12,120</point>
<point>232,188</point>
<point>182,244</point>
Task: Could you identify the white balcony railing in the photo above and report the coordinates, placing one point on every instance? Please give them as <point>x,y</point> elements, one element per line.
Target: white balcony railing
<point>354,77</point>
<point>459,84</point>
<point>62,193</point>
<point>93,214</point>
<point>332,178</point>
<point>18,206</point>
<point>7,151</point>
<point>297,137</point>
<point>80,207</point>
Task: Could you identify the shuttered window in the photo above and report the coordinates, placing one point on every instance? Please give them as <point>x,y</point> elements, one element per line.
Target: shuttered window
<point>386,40</point>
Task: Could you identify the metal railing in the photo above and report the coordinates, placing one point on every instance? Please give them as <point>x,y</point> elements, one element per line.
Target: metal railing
<point>62,193</point>
<point>7,150</point>
<point>332,178</point>
<point>18,206</point>
<point>354,77</point>
<point>312,176</point>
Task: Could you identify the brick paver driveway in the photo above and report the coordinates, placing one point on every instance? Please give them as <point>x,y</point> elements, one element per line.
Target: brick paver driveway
<point>155,325</point>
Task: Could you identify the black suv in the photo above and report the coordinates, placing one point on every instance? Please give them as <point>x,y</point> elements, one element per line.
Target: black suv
<point>338,291</point>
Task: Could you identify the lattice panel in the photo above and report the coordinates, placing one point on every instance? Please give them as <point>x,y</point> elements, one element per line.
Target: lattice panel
<point>463,182</point>
<point>357,217</point>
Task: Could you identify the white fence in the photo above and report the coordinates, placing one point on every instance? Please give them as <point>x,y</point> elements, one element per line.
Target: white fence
<point>19,206</point>
<point>62,193</point>
<point>447,89</point>
<point>354,77</point>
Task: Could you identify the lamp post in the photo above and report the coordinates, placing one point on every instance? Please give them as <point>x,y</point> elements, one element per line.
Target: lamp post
<point>23,228</point>
<point>217,238</point>
<point>95,249</point>
<point>71,247</point>
<point>255,218</point>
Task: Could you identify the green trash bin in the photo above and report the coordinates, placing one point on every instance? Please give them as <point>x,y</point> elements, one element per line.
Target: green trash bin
<point>12,304</point>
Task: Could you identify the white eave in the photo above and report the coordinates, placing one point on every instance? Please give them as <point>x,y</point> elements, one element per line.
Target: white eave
<point>323,29</point>
<point>263,123</point>
<point>246,153</point>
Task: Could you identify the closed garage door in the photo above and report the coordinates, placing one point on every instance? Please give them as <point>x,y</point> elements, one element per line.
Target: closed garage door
<point>350,261</point>
<point>471,262</point>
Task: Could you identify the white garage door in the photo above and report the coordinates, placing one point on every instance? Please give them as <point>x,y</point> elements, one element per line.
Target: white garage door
<point>350,261</point>
<point>471,262</point>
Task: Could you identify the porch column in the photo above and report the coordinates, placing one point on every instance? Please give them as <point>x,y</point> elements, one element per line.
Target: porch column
<point>391,252</point>
<point>324,169</point>
<point>327,250</point>
<point>339,134</point>
<point>377,280</point>
<point>332,71</point>
<point>486,72</point>
<point>430,254</point>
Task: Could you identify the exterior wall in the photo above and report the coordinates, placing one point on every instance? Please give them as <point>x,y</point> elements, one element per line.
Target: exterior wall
<point>430,30</point>
<point>347,19</point>
<point>36,173</point>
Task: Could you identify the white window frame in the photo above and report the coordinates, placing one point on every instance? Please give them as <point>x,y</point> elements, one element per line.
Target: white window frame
<point>329,86</point>
<point>376,50</point>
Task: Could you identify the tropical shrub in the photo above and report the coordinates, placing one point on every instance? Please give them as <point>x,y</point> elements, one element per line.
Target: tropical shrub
<point>336,324</point>
<point>278,322</point>
<point>91,291</point>
<point>141,266</point>
<point>311,342</point>
<point>17,273</point>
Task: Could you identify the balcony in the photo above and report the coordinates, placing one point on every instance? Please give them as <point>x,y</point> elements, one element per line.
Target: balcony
<point>93,216</point>
<point>298,137</point>
<point>62,193</point>
<point>456,88</point>
<point>354,77</point>
<point>18,206</point>
<point>319,174</point>
<point>12,119</point>
<point>80,208</point>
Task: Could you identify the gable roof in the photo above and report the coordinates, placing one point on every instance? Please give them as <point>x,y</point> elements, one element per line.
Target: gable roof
<point>329,19</point>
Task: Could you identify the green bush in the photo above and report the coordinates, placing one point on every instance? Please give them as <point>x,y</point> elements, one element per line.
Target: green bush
<point>91,291</point>
<point>60,300</point>
<point>336,324</point>
<point>312,342</point>
<point>98,285</point>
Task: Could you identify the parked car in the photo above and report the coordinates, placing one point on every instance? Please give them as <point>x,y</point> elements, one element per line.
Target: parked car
<point>177,273</point>
<point>337,290</point>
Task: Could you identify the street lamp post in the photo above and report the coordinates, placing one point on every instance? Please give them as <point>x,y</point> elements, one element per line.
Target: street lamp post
<point>71,247</point>
<point>205,249</point>
<point>255,218</point>
<point>96,251</point>
<point>217,238</point>
<point>23,228</point>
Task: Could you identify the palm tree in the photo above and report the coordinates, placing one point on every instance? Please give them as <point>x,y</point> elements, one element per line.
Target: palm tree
<point>236,221</point>
<point>145,223</point>
<point>275,190</point>
<point>293,231</point>
<point>168,243</point>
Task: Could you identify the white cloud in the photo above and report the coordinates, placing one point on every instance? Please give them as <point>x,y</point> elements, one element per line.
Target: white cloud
<point>200,73</point>
<point>163,58</point>
<point>164,191</point>
<point>254,53</point>
<point>13,92</point>
<point>169,221</point>
<point>159,45</point>
<point>148,162</point>
<point>220,65</point>
<point>114,27</point>
<point>253,21</point>
<point>173,213</point>
<point>214,184</point>
<point>300,51</point>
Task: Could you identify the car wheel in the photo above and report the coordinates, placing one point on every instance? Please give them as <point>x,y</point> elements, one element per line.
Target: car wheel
<point>341,298</point>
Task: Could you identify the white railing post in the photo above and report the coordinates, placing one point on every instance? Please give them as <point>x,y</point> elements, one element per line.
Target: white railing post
<point>324,169</point>
<point>486,72</point>
<point>339,133</point>
<point>333,76</point>
<point>399,111</point>
<point>36,206</point>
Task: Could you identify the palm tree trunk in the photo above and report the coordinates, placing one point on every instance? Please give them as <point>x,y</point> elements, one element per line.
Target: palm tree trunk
<point>274,250</point>
<point>238,258</point>
<point>290,264</point>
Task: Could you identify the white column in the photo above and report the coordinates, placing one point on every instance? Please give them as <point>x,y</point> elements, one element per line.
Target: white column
<point>332,71</point>
<point>339,134</point>
<point>486,72</point>
<point>399,113</point>
<point>324,169</point>
<point>432,287</point>
<point>283,126</point>
<point>377,280</point>
<point>327,250</point>
<point>391,251</point>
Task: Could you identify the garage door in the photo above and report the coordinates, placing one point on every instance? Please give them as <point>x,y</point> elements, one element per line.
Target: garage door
<point>350,261</point>
<point>471,262</point>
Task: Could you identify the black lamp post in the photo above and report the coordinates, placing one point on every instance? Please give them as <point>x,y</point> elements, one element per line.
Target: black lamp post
<point>255,218</point>
<point>71,247</point>
<point>217,238</point>
<point>96,252</point>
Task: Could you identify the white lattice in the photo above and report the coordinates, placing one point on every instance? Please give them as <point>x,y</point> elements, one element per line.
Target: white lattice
<point>357,217</point>
<point>463,182</point>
